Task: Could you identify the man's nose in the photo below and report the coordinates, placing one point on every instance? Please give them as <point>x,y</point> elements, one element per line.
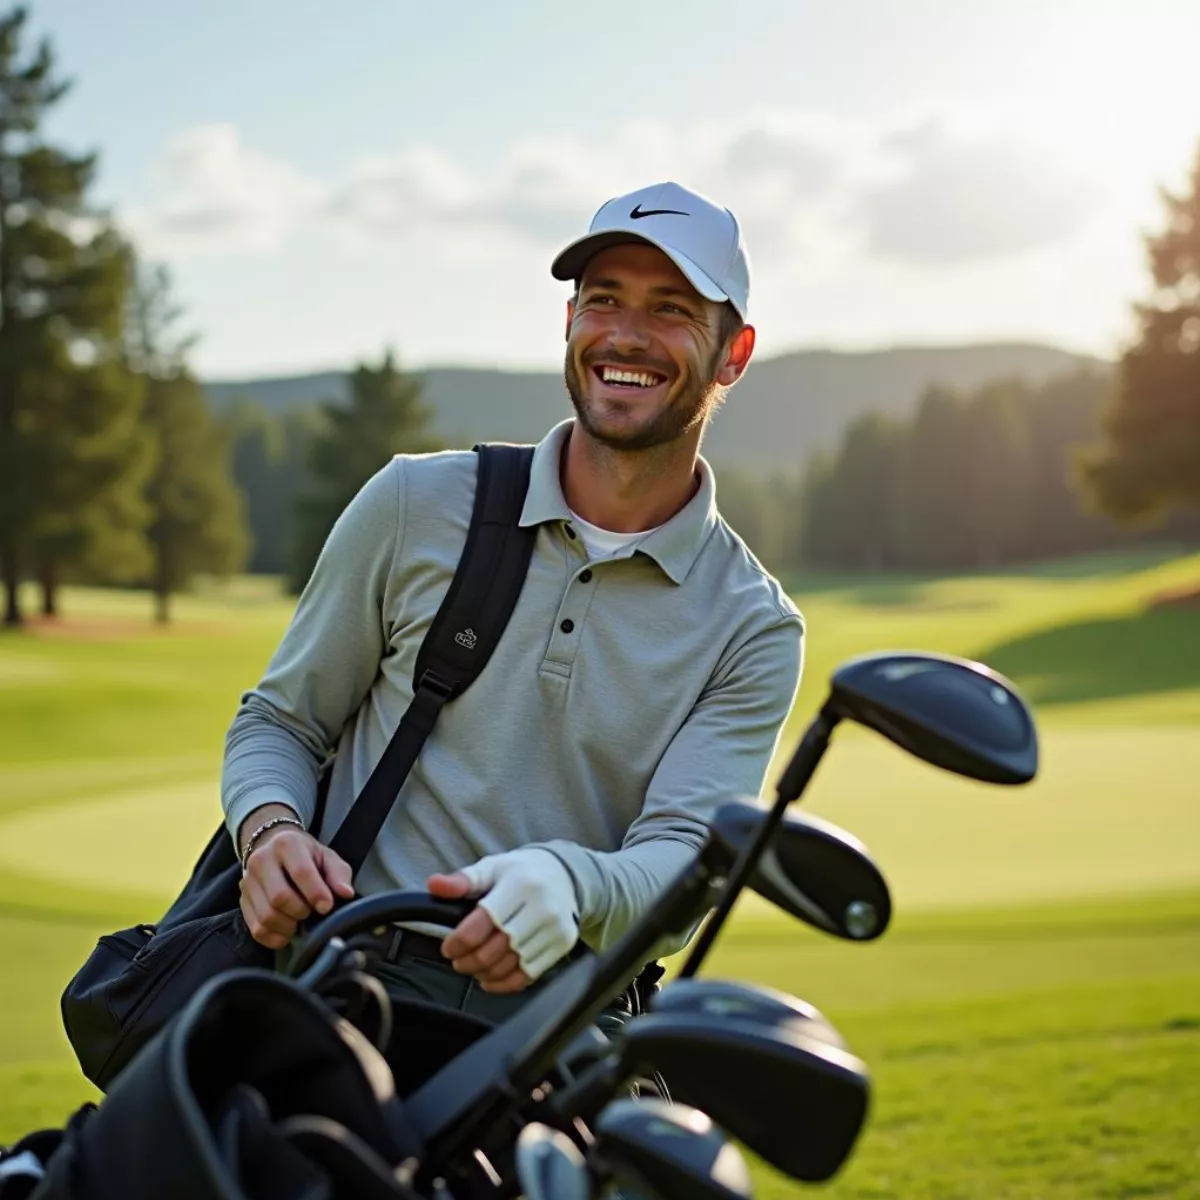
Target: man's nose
<point>630,331</point>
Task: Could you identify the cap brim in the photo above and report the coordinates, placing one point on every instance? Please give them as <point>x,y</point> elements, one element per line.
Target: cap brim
<point>570,262</point>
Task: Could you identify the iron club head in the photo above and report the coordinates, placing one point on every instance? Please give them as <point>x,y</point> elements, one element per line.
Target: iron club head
<point>667,1150</point>
<point>727,999</point>
<point>792,1098</point>
<point>550,1166</point>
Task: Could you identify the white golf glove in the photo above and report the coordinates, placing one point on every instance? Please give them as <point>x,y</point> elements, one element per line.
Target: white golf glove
<point>530,895</point>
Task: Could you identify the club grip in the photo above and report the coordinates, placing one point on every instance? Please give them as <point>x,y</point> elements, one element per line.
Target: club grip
<point>370,912</point>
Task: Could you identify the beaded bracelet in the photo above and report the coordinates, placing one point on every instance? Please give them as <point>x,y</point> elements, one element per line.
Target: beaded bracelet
<point>252,841</point>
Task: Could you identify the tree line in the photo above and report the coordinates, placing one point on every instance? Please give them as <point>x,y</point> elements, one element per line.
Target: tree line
<point>974,480</point>
<point>111,465</point>
<point>115,470</point>
<point>1015,472</point>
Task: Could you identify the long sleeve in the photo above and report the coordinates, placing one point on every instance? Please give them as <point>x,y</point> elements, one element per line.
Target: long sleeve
<point>324,665</point>
<point>724,747</point>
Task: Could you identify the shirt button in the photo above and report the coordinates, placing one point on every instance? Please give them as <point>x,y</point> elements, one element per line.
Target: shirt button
<point>585,577</point>
<point>567,626</point>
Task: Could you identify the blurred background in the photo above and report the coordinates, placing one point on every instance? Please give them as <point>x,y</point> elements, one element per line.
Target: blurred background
<point>248,252</point>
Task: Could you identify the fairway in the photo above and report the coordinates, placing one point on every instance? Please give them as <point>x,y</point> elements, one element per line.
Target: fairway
<point>1092,824</point>
<point>161,828</point>
<point>1033,1018</point>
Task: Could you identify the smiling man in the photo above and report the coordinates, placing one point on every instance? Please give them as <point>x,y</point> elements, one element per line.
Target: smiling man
<point>646,672</point>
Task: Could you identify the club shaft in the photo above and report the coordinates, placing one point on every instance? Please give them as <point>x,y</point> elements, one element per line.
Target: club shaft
<point>688,897</point>
<point>683,903</point>
<point>791,784</point>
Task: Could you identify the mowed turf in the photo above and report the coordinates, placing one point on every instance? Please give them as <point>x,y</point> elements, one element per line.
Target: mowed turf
<point>1032,1021</point>
<point>1025,1053</point>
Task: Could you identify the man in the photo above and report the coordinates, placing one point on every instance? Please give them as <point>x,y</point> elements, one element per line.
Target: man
<point>646,671</point>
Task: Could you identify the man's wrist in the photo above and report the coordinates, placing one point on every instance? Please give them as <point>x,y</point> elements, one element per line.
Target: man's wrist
<point>256,819</point>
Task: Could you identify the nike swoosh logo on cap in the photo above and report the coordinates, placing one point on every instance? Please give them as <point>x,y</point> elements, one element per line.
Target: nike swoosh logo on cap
<point>638,212</point>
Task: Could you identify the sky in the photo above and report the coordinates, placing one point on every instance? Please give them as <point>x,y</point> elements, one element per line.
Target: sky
<point>325,182</point>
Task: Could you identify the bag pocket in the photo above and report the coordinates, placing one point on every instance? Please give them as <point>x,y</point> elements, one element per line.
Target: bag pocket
<point>137,979</point>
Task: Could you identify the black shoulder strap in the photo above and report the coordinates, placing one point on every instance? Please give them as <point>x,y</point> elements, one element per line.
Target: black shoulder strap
<point>465,631</point>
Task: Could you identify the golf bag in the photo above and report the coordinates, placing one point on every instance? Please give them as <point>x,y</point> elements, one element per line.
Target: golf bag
<point>254,1091</point>
<point>136,979</point>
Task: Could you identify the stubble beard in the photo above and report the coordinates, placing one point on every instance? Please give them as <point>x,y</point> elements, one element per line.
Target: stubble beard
<point>692,407</point>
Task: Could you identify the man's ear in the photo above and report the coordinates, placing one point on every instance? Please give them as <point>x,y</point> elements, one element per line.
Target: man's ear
<point>570,316</point>
<point>737,358</point>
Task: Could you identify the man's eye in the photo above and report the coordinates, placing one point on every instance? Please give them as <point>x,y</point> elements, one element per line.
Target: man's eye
<point>675,308</point>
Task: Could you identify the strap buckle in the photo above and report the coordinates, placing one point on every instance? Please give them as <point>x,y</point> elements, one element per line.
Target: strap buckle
<point>431,681</point>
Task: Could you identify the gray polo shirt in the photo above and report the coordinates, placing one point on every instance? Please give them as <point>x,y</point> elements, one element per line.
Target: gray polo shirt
<point>626,697</point>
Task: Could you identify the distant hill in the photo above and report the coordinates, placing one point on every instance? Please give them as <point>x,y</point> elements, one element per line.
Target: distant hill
<point>785,408</point>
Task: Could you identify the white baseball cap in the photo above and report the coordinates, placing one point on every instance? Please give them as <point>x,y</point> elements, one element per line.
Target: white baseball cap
<point>701,238</point>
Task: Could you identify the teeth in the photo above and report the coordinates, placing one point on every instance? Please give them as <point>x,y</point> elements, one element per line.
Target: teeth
<point>637,378</point>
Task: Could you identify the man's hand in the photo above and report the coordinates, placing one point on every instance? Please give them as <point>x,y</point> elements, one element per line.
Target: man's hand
<point>289,876</point>
<point>526,921</point>
<point>478,946</point>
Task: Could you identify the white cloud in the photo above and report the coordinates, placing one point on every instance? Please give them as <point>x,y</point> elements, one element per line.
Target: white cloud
<point>395,194</point>
<point>214,192</point>
<point>810,191</point>
<point>956,197</point>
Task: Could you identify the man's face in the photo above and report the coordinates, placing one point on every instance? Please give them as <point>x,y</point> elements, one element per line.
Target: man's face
<point>645,361</point>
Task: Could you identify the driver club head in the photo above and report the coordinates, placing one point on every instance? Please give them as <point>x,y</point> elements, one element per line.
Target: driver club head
<point>791,1098</point>
<point>651,1147</point>
<point>550,1166</point>
<point>811,869</point>
<point>953,713</point>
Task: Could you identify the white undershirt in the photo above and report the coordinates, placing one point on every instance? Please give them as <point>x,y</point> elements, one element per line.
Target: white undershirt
<point>600,543</point>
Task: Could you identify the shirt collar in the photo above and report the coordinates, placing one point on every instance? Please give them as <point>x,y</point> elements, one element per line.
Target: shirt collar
<point>675,546</point>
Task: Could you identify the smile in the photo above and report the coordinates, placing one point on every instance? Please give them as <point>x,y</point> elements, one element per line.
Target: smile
<point>621,377</point>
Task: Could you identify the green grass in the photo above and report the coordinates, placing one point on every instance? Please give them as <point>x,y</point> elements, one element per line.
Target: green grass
<point>1033,1053</point>
<point>1032,1020</point>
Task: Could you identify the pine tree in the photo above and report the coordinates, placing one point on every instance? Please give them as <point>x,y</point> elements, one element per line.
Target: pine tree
<point>866,484</point>
<point>931,524</point>
<point>92,513</point>
<point>818,540</point>
<point>62,276</point>
<point>197,514</point>
<point>1063,415</point>
<point>94,451</point>
<point>1149,461</point>
<point>382,417</point>
<point>997,502</point>
<point>270,457</point>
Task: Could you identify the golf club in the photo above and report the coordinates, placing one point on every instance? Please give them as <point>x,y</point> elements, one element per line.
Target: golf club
<point>792,1098</point>
<point>813,870</point>
<point>550,1166</point>
<point>950,712</point>
<point>596,1071</point>
<point>745,1001</point>
<point>953,713</point>
<point>668,1151</point>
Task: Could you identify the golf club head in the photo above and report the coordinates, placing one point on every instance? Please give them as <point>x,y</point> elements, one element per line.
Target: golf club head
<point>791,1098</point>
<point>811,869</point>
<point>653,1148</point>
<point>727,998</point>
<point>955,714</point>
<point>550,1166</point>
